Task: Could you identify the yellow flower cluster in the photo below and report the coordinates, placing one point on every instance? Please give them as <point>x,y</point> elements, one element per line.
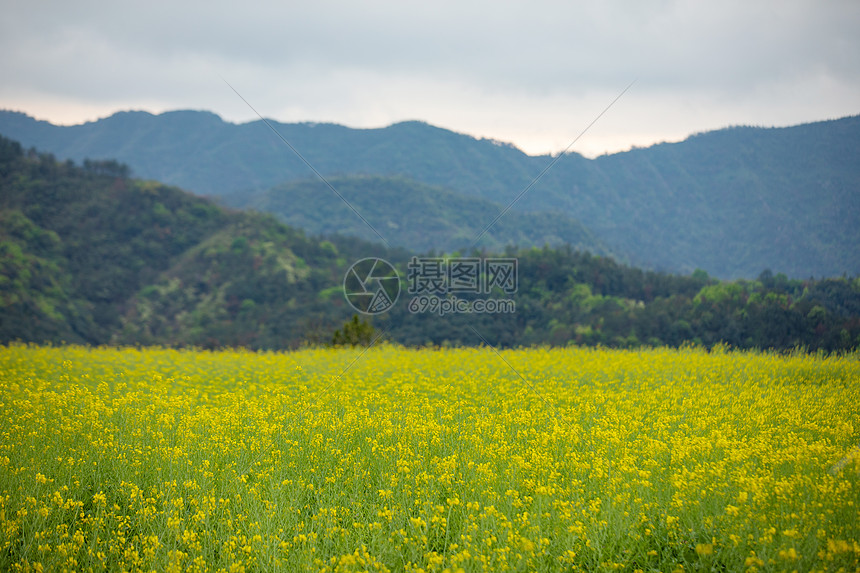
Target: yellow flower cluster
<point>428,460</point>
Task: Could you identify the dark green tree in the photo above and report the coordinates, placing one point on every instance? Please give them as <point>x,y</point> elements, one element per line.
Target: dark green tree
<point>354,333</point>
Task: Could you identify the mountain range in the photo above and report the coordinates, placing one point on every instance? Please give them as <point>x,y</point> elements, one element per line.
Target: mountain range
<point>91,255</point>
<point>732,202</point>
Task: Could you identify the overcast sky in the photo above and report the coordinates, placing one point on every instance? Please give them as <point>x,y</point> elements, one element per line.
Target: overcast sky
<point>531,73</point>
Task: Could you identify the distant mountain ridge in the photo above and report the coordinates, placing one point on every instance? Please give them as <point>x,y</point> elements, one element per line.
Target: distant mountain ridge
<point>732,202</point>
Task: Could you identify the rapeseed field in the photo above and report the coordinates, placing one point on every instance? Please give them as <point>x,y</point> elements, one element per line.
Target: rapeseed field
<point>428,460</point>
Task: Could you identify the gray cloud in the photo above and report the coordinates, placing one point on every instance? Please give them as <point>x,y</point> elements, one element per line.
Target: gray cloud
<point>534,73</point>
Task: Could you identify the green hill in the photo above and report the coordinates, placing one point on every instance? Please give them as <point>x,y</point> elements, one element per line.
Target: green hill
<point>413,215</point>
<point>732,202</point>
<point>87,250</point>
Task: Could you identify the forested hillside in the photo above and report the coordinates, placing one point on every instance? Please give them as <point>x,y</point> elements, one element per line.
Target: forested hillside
<point>731,202</point>
<point>413,215</point>
<point>85,248</point>
<point>90,255</point>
